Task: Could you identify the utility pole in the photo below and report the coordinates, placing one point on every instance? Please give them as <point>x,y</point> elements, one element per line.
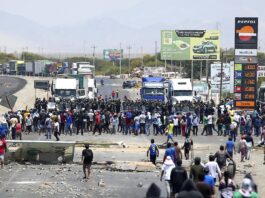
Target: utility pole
<point>221,77</point>
<point>192,72</point>
<point>94,49</point>
<point>129,48</point>
<point>142,56</point>
<point>201,72</point>
<point>120,59</point>
<point>156,52</point>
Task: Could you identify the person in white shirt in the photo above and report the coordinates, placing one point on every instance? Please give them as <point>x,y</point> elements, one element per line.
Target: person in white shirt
<point>176,124</point>
<point>209,124</point>
<point>142,123</point>
<point>195,123</point>
<point>214,169</point>
<point>166,171</point>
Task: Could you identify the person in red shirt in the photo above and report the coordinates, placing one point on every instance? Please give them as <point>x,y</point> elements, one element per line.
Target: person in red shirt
<point>2,149</point>
<point>113,94</point>
<point>19,130</point>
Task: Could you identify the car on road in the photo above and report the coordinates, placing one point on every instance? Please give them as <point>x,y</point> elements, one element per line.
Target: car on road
<point>112,76</point>
<point>205,47</point>
<point>128,84</point>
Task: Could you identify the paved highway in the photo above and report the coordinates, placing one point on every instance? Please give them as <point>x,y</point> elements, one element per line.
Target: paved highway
<point>10,85</point>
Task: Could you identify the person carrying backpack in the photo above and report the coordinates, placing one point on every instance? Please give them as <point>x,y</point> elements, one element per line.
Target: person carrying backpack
<point>188,145</point>
<point>87,158</point>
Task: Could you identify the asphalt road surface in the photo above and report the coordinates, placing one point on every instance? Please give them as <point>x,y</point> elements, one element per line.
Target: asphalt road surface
<point>10,85</point>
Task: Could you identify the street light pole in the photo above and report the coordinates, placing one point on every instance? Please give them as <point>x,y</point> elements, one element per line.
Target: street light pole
<point>221,78</point>
<point>156,52</point>
<point>129,48</point>
<point>120,59</point>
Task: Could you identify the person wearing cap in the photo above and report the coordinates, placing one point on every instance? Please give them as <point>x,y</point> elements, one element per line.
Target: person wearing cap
<point>167,167</point>
<point>2,149</point>
<point>245,190</point>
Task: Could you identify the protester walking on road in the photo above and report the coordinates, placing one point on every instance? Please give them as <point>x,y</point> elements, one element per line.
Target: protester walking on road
<point>87,159</point>
<point>167,167</point>
<point>177,177</point>
<point>154,152</point>
<point>196,170</point>
<point>3,148</point>
<point>188,145</point>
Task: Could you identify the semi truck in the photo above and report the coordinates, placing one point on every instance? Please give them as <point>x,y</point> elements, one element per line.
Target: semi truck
<point>74,87</point>
<point>180,90</point>
<point>153,88</point>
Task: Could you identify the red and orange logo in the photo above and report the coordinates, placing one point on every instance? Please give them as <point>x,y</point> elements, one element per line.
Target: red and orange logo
<point>246,33</point>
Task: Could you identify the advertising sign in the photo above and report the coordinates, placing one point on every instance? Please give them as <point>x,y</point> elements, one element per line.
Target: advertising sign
<point>261,71</point>
<point>246,59</point>
<point>190,45</point>
<point>245,85</point>
<point>245,70</point>
<point>154,71</point>
<point>216,77</point>
<point>112,54</point>
<point>41,84</point>
<point>246,33</point>
<point>246,52</point>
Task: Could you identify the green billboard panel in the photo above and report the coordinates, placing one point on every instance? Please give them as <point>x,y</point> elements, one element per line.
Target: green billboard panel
<point>190,45</point>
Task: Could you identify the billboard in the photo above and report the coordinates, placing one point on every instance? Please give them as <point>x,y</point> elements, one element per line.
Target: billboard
<point>112,54</point>
<point>153,71</point>
<point>261,71</point>
<point>41,84</point>
<point>245,70</point>
<point>245,88</point>
<point>216,77</point>
<point>246,33</point>
<point>190,45</point>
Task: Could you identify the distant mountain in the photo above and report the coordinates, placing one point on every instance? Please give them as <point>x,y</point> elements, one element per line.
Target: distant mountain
<point>18,32</point>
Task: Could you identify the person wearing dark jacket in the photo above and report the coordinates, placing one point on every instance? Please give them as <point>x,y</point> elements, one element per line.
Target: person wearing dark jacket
<point>189,190</point>
<point>177,177</point>
<point>196,169</point>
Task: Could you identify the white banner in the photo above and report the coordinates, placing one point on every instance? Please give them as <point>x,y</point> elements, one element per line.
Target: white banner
<point>216,77</point>
<point>246,52</point>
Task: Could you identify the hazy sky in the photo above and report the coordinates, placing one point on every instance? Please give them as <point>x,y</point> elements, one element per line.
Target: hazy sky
<point>63,12</point>
<point>152,14</point>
